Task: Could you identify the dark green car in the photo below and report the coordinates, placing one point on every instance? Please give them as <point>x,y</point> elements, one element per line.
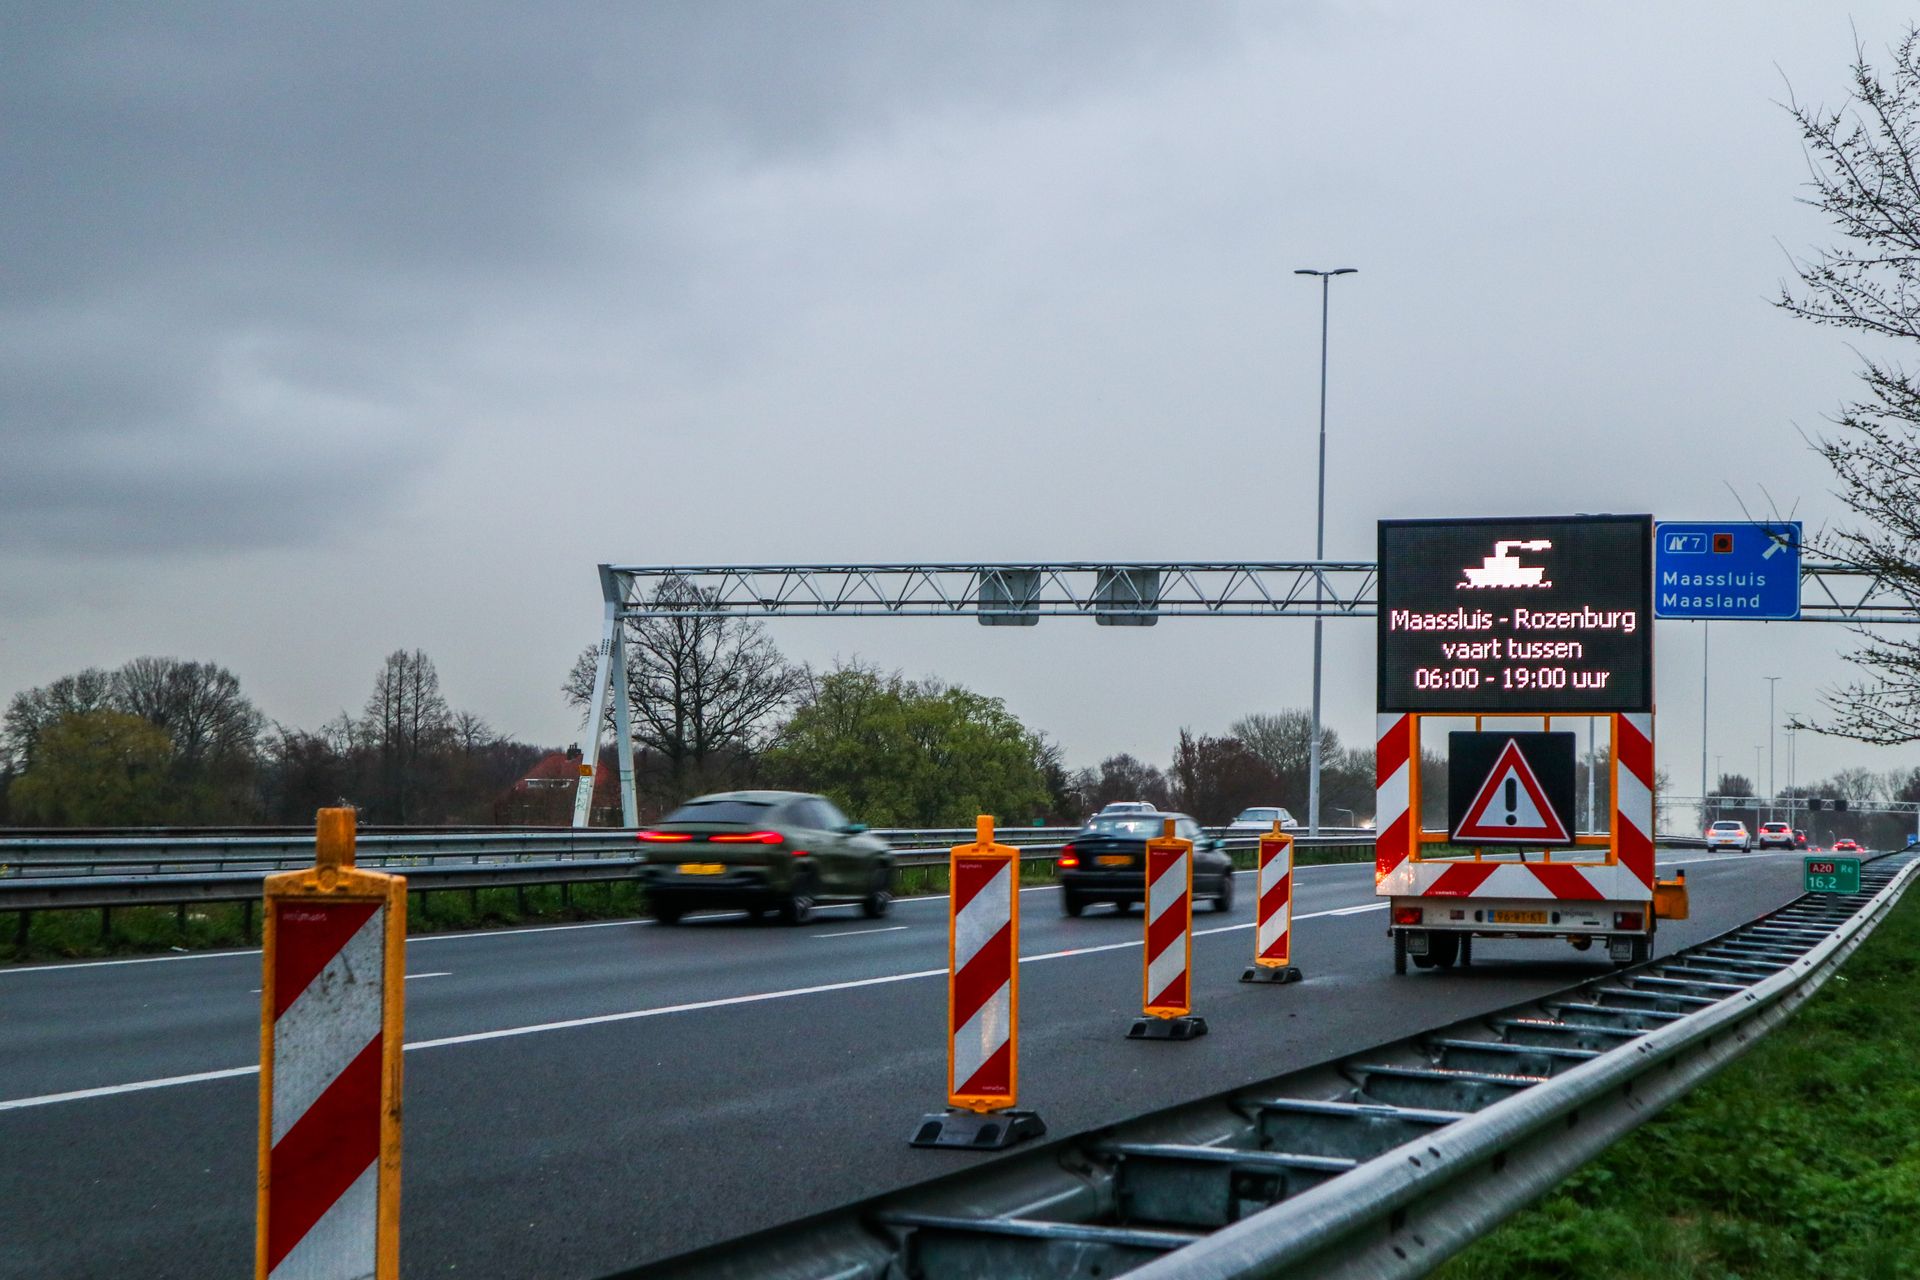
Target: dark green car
<point>766,852</point>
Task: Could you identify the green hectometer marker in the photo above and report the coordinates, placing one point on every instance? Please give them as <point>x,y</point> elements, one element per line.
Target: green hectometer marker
<point>1832,875</point>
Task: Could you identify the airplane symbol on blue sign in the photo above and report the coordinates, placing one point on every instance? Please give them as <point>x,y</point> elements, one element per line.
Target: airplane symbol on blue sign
<point>1686,544</point>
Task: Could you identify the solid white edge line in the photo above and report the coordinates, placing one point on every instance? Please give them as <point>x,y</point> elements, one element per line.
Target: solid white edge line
<point>595,1020</point>
<point>470,935</point>
<point>857,933</point>
<point>107,1091</point>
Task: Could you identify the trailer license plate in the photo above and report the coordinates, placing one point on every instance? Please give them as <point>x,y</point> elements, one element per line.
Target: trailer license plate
<point>703,868</point>
<point>1519,917</point>
<point>1113,859</point>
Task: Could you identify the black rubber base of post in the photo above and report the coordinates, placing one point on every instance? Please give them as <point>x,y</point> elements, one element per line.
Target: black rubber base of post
<point>977,1131</point>
<point>1271,973</point>
<point>1187,1028</point>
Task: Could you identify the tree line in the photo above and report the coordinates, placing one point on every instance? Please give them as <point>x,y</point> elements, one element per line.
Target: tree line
<point>713,705</point>
<point>162,741</point>
<point>1859,789</point>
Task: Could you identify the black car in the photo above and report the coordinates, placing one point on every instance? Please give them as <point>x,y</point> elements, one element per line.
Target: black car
<point>771,852</point>
<point>1107,861</point>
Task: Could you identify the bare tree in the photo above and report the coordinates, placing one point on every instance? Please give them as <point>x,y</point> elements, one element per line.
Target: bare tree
<point>701,690</point>
<point>1123,777</point>
<point>199,704</point>
<point>1864,163</point>
<point>1284,743</point>
<point>471,733</point>
<point>407,722</point>
<point>33,711</point>
<point>1215,778</point>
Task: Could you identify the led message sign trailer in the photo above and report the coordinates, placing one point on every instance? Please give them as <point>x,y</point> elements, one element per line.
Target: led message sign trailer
<point>1553,613</point>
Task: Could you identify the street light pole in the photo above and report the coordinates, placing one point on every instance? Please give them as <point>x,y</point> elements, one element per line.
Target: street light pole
<point>1705,641</point>
<point>1792,800</point>
<point>1773,796</point>
<point>1319,551</point>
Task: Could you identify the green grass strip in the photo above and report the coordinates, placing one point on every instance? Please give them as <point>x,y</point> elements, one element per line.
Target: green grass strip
<point>1801,1159</point>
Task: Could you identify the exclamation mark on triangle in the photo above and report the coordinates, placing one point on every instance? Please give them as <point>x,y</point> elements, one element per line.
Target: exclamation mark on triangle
<point>1513,799</point>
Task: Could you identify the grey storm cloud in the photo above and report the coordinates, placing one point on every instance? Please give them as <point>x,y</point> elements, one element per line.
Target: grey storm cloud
<point>245,246</point>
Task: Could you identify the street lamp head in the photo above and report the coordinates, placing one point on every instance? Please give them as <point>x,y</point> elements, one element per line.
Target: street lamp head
<point>1337,271</point>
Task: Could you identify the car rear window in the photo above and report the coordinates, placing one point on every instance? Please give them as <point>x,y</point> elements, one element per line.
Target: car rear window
<point>1126,825</point>
<point>744,812</point>
<point>1259,815</point>
<point>1726,826</point>
<point>1774,828</point>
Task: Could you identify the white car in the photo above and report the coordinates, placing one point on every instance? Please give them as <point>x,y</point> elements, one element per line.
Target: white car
<point>1262,818</point>
<point>1729,833</point>
<point>1129,806</point>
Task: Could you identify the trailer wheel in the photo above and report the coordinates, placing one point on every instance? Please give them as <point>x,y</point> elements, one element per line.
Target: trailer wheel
<point>1443,948</point>
<point>1399,952</point>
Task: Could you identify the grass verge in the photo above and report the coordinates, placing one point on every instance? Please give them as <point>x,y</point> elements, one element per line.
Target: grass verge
<point>85,934</point>
<point>1800,1159</point>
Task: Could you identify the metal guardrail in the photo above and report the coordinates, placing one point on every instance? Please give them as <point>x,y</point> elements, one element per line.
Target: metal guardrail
<point>107,852</point>
<point>60,873</point>
<point>601,860</point>
<point>1382,1164</point>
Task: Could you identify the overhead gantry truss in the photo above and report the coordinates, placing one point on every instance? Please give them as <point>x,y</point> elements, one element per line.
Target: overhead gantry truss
<point>1117,594</point>
<point>1114,593</point>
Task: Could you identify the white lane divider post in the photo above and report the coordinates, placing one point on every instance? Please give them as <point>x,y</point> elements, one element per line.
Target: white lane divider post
<point>1167,977</point>
<point>1273,912</point>
<point>983,1002</point>
<point>334,965</point>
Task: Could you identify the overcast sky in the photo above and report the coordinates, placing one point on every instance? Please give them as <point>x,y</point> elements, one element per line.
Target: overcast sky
<point>335,329</point>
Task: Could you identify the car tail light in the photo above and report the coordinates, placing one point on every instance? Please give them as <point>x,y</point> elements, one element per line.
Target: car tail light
<point>1629,920</point>
<point>751,837</point>
<point>1406,915</point>
<point>799,853</point>
<point>1069,860</point>
<point>664,837</point>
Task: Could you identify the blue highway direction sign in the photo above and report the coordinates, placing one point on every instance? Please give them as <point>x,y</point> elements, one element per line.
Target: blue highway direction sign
<point>1731,569</point>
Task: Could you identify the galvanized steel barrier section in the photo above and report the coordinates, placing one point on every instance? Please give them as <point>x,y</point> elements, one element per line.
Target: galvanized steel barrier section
<point>1408,1210</point>
<point>433,863</point>
<point>1380,1164</point>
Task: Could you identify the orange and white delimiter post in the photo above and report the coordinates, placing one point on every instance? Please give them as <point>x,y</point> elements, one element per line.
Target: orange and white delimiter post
<point>983,1001</point>
<point>1273,912</point>
<point>330,1041</point>
<point>1167,968</point>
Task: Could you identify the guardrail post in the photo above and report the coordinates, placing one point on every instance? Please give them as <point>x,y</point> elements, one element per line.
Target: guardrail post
<point>983,1002</point>
<point>334,964</point>
<point>1167,966</point>
<point>1273,913</point>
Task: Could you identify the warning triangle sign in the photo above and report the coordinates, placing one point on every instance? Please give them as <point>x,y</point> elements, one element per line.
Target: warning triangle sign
<point>1511,805</point>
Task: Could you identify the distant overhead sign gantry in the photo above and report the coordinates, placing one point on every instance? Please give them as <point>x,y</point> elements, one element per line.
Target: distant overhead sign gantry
<point>1111,593</point>
<point>1019,594</point>
<point>1009,595</point>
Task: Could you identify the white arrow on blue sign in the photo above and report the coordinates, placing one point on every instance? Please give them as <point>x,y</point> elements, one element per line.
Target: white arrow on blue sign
<point>1730,569</point>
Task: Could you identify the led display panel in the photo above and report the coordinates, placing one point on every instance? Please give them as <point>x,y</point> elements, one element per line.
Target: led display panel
<point>1546,614</point>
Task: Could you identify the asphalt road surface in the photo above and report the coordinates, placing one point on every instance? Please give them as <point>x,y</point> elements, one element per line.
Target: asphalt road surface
<point>583,1098</point>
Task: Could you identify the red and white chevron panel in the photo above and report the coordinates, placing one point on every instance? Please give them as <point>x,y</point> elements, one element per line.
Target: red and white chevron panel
<point>329,985</point>
<point>982,984</point>
<point>1273,932</point>
<point>1630,878</point>
<point>1169,928</point>
<point>1394,760</point>
<point>1633,796</point>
